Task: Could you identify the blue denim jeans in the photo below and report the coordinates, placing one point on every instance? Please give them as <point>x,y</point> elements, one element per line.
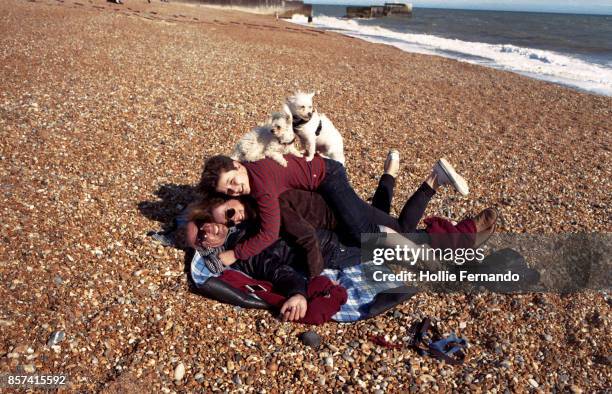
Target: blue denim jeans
<point>357,216</point>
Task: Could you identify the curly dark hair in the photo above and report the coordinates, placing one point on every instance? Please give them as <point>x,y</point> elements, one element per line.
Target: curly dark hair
<point>213,167</point>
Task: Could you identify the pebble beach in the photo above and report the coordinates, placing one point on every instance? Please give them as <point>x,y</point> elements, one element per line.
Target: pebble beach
<point>107,113</point>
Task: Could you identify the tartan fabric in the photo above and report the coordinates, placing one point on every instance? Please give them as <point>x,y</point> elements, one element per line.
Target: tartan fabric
<point>357,281</point>
<point>199,271</point>
<point>361,289</point>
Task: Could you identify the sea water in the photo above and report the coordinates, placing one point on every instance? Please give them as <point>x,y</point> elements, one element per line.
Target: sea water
<point>572,50</point>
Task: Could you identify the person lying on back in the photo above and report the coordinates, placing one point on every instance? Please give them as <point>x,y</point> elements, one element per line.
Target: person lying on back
<point>302,213</point>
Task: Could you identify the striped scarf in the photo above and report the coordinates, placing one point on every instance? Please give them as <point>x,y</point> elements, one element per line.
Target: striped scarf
<point>210,255</point>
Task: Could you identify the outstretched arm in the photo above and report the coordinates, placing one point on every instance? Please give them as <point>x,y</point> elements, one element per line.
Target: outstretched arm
<point>272,265</point>
<point>287,281</point>
<point>269,218</point>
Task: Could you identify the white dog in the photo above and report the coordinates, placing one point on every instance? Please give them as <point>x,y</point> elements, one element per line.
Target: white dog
<point>273,139</point>
<point>317,133</point>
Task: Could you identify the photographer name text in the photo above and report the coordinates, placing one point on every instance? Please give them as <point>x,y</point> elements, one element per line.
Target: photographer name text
<point>444,276</point>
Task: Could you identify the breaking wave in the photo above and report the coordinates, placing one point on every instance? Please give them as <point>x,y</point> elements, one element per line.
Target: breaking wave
<point>541,64</point>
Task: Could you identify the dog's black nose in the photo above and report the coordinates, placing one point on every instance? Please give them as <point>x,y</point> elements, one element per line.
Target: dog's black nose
<point>310,114</point>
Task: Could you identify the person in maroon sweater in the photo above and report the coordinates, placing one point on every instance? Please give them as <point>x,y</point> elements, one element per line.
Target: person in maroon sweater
<point>265,180</point>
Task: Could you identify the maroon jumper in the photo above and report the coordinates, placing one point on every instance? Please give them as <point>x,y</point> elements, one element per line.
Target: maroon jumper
<point>267,180</point>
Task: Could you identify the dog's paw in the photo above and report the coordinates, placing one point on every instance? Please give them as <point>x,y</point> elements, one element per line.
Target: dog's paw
<point>280,160</point>
<point>297,153</point>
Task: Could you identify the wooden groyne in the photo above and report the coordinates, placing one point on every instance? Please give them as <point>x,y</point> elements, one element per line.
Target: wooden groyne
<point>296,7</point>
<point>282,8</point>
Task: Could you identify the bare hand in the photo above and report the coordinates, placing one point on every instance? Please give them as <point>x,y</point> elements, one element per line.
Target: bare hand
<point>294,308</point>
<point>228,257</point>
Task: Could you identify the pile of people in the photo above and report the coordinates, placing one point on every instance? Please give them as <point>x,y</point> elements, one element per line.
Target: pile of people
<point>270,226</point>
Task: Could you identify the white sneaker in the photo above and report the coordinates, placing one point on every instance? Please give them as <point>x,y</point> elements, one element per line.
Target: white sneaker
<point>392,163</point>
<point>448,176</point>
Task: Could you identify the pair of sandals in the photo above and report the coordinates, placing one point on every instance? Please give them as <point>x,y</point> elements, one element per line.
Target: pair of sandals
<point>428,341</point>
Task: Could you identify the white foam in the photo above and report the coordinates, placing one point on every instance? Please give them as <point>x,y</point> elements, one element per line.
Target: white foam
<point>536,63</point>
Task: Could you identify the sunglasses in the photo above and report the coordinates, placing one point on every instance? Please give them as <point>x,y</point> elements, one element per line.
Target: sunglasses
<point>201,235</point>
<point>229,215</point>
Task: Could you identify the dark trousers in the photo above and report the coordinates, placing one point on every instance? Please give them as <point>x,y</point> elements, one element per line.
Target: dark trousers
<point>413,210</point>
<point>384,193</point>
<point>359,217</point>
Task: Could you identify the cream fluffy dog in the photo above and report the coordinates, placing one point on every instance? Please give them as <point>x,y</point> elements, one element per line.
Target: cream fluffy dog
<point>273,139</point>
<point>317,133</point>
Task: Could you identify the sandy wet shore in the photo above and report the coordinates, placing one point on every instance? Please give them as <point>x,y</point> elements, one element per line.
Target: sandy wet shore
<point>107,113</point>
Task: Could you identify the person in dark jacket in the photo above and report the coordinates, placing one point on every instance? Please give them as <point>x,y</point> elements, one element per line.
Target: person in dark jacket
<point>282,262</point>
<point>270,265</point>
<point>279,264</point>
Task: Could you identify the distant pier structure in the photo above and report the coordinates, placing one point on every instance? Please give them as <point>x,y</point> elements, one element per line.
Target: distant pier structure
<point>376,11</point>
<point>281,8</point>
<point>296,7</point>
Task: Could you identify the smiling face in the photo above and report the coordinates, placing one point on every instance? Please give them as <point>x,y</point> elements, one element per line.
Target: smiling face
<point>234,182</point>
<point>206,235</point>
<point>230,212</point>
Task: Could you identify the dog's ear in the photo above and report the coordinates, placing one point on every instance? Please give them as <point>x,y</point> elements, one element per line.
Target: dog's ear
<point>290,99</point>
<point>310,95</point>
<point>287,112</point>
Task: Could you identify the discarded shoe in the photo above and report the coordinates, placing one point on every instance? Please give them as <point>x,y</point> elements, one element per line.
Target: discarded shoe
<point>427,340</point>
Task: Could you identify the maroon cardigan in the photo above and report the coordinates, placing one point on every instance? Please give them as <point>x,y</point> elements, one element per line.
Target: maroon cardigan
<point>302,213</point>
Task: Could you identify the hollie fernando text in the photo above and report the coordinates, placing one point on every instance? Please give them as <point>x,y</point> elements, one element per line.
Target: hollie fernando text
<point>443,276</point>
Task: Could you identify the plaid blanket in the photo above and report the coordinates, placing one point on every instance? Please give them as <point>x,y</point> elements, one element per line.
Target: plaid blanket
<point>356,280</point>
<point>361,289</point>
<point>199,270</point>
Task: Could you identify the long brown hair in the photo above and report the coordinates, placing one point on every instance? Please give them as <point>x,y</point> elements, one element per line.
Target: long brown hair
<point>201,211</point>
